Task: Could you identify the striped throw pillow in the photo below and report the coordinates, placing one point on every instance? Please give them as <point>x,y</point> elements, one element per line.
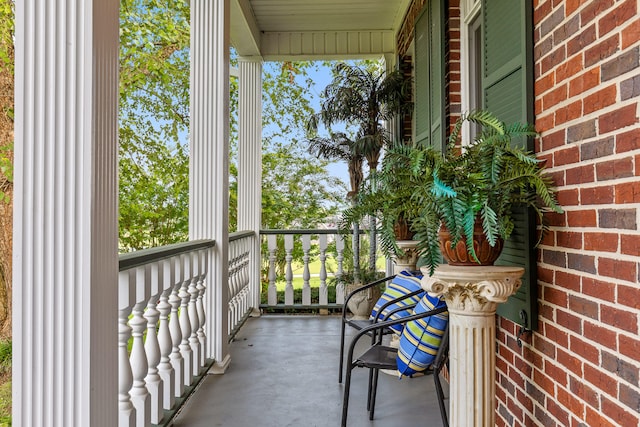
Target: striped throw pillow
<point>421,338</point>
<point>403,284</point>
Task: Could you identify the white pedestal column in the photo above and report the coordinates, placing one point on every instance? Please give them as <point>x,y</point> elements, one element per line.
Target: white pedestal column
<point>472,295</point>
<point>209,162</point>
<point>250,163</point>
<point>410,258</point>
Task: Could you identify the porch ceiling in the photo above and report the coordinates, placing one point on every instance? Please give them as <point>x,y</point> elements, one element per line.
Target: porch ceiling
<point>315,29</point>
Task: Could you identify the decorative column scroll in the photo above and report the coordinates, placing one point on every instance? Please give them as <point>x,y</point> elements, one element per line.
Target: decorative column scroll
<point>472,295</point>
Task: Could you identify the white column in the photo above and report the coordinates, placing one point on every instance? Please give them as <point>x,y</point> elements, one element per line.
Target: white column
<point>65,325</point>
<point>250,163</point>
<point>209,161</point>
<point>472,295</point>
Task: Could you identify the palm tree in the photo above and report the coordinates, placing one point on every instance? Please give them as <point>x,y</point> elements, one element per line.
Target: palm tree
<point>340,147</point>
<point>367,98</point>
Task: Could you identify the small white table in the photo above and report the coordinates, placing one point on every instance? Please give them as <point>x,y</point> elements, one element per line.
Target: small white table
<point>472,295</point>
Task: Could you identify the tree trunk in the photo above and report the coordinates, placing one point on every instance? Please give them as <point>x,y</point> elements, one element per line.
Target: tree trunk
<point>6,185</point>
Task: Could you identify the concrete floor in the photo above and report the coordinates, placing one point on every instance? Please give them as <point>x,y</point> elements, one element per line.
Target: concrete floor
<point>284,372</point>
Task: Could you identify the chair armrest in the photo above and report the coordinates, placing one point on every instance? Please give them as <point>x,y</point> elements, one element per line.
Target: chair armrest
<point>396,300</point>
<point>387,323</point>
<point>360,289</point>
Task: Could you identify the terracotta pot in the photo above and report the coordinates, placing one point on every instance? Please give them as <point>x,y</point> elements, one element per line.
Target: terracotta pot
<point>401,230</point>
<point>459,255</point>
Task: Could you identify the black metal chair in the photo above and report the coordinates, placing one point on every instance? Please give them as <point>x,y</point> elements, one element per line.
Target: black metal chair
<point>379,357</point>
<point>360,324</point>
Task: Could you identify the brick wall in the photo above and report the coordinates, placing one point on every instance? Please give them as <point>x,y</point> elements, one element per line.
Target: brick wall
<point>582,366</point>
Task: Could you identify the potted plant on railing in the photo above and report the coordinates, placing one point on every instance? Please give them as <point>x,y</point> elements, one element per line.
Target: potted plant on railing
<point>468,195</point>
<point>392,204</point>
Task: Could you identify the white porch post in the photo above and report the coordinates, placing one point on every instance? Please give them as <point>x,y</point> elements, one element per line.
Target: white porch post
<point>250,163</point>
<point>65,264</point>
<point>209,161</point>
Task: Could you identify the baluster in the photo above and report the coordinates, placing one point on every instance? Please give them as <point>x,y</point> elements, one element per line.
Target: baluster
<point>323,291</point>
<point>126,410</point>
<point>194,342</point>
<point>185,323</point>
<point>152,348</point>
<point>165,370</point>
<point>202,317</point>
<point>340,259</point>
<point>231,316</point>
<point>272,293</point>
<point>175,357</point>
<point>139,367</point>
<point>306,288</point>
<point>288,290</point>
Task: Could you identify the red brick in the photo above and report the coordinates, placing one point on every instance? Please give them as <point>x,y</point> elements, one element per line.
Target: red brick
<point>545,123</point>
<point>616,412</point>
<point>545,274</point>
<point>584,392</point>
<point>600,99</point>
<point>569,321</point>
<point>569,68</point>
<point>584,82</point>
<point>584,350</point>
<point>601,51</point>
<point>623,270</point>
<point>600,380</point>
<point>617,17</point>
<point>568,239</point>
<point>614,169</point>
<point>596,195</point>
<point>629,296</point>
<point>543,84</point>
<point>556,219</point>
<point>555,97</point>
<point>538,106</point>
<point>580,42</point>
<point>627,193</point>
<point>556,296</point>
<point>558,413</point>
<point>629,346</point>
<point>631,34</point>
<point>584,306</point>
<point>543,382</point>
<point>622,117</point>
<point>568,197</point>
<point>621,319</point>
<point>568,113</point>
<point>601,335</point>
<point>595,418</point>
<point>568,280</point>
<point>630,244</point>
<point>603,242</point>
<point>584,218</point>
<point>542,11</point>
<point>569,361</point>
<point>553,140</point>
<point>566,156</point>
<point>599,289</point>
<point>593,9</point>
<point>572,5</point>
<point>580,175</point>
<point>628,141</point>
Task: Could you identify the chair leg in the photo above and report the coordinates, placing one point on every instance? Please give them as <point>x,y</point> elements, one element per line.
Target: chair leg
<point>440,393</point>
<point>341,353</point>
<point>369,389</point>
<point>373,393</point>
<point>345,401</point>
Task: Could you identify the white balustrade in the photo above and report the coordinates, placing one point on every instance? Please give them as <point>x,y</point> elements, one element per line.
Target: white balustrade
<point>315,244</point>
<point>161,335</point>
<point>240,282</point>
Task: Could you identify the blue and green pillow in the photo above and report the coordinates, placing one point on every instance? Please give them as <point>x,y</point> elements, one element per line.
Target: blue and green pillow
<point>420,339</point>
<point>403,284</point>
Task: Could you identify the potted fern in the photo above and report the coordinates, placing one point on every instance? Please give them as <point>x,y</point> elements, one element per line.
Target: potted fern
<point>470,194</point>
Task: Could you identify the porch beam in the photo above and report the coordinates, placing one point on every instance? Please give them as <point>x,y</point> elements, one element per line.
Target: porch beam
<point>305,45</point>
<point>250,163</point>
<point>245,32</point>
<point>209,161</point>
<point>65,214</point>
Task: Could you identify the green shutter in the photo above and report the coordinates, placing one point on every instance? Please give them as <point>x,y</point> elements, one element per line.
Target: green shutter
<point>507,90</point>
<point>429,75</point>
